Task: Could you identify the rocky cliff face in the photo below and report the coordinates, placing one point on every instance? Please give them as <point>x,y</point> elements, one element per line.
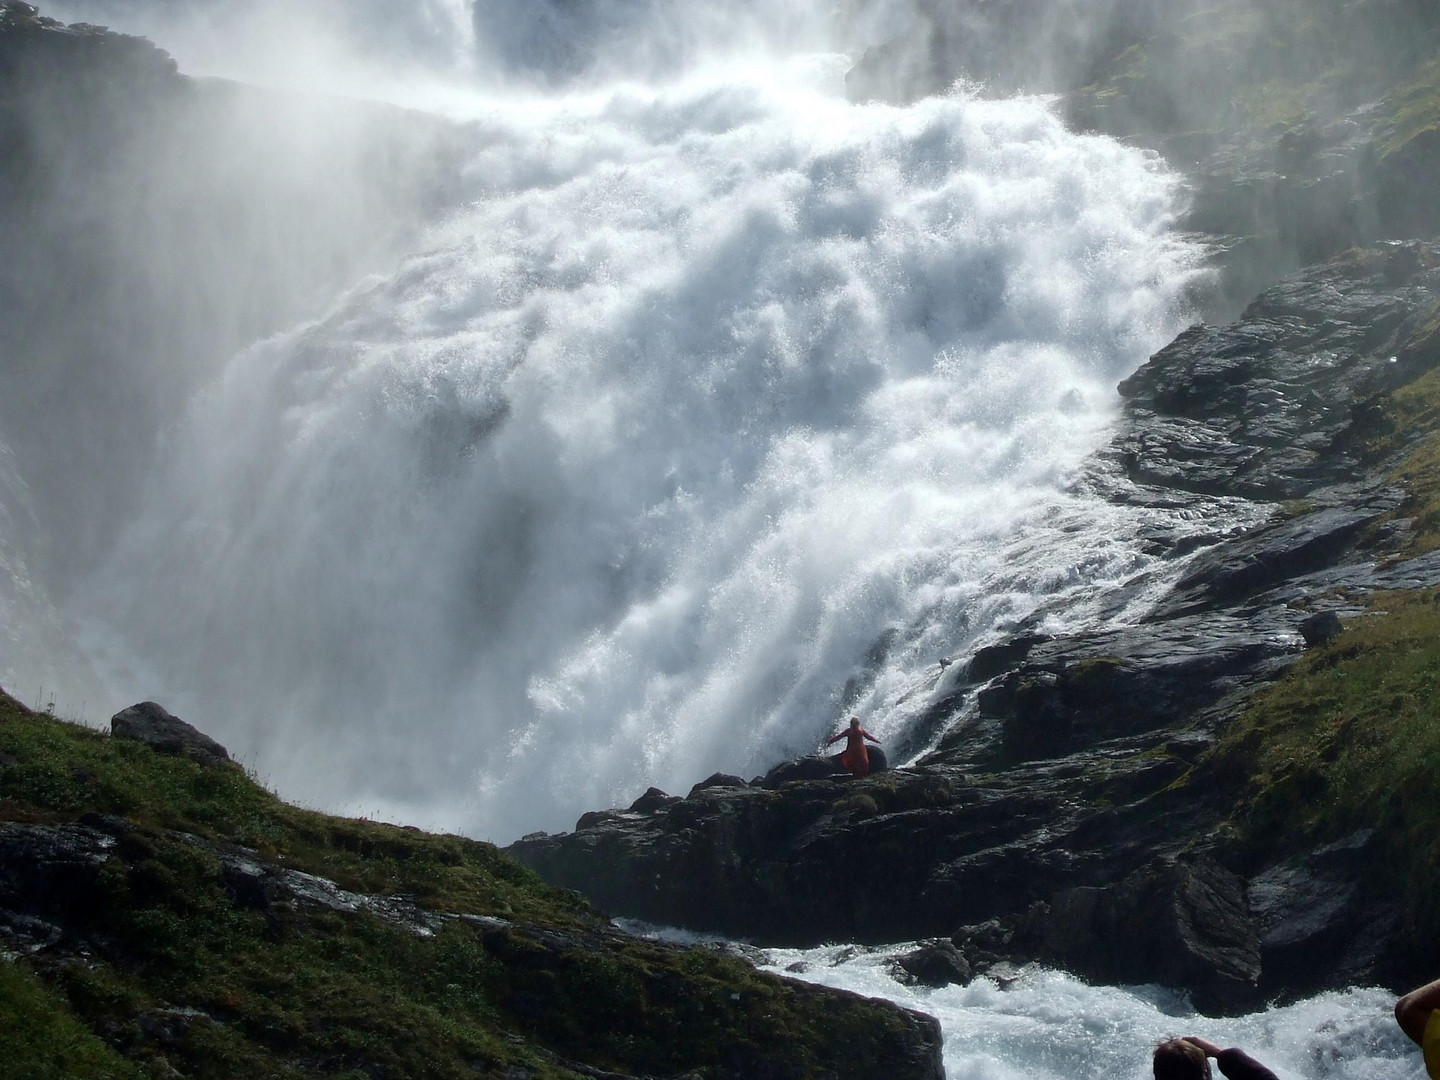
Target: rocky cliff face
<point>1072,811</point>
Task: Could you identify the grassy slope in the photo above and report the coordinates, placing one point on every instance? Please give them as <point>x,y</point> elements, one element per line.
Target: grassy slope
<point>287,992</point>
<point>1350,737</point>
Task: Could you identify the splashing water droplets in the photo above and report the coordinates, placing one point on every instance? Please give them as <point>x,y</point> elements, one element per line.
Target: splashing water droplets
<point>710,387</point>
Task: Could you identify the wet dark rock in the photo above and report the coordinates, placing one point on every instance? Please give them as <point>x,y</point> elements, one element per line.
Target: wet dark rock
<point>1321,629</point>
<point>1075,692</point>
<point>653,799</point>
<point>1320,921</point>
<point>996,659</point>
<point>718,780</point>
<point>152,725</point>
<point>936,963</point>
<point>795,865</point>
<point>26,934</point>
<point>814,767</point>
<point>819,767</point>
<point>51,871</point>
<point>1264,408</point>
<point>1176,923</point>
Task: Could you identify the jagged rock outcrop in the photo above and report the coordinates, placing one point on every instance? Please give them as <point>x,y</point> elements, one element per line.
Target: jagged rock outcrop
<point>936,963</point>
<point>1068,802</point>
<point>1179,923</point>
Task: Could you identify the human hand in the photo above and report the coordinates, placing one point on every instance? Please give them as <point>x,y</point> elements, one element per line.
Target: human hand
<point>1211,1049</point>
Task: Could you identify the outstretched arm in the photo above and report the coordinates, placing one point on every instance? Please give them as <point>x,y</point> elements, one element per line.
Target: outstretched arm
<point>869,736</point>
<point>834,738</point>
<point>1413,1010</point>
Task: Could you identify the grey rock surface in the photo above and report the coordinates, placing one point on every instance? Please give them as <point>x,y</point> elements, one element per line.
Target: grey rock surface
<point>157,728</point>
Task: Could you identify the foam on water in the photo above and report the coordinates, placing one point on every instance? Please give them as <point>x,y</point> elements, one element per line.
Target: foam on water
<point>719,395</point>
<point>1047,1025</point>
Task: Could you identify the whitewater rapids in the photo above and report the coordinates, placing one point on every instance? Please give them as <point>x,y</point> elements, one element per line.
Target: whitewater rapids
<point>1047,1025</point>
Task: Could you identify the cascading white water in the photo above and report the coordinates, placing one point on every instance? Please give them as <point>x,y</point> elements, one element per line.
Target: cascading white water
<point>1035,1023</point>
<point>1049,1026</point>
<point>713,384</point>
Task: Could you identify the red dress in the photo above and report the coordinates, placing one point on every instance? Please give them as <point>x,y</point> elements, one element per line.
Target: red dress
<point>855,757</point>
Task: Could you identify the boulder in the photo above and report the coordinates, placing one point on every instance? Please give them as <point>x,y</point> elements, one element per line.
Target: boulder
<point>717,780</point>
<point>152,725</point>
<point>1174,923</point>
<point>819,767</point>
<point>814,767</point>
<point>654,799</point>
<point>1321,629</point>
<point>936,963</point>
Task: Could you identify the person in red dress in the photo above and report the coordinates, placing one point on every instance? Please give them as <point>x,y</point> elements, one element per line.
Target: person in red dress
<point>855,758</point>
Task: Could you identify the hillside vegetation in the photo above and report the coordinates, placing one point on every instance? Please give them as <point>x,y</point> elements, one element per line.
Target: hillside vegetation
<point>180,930</point>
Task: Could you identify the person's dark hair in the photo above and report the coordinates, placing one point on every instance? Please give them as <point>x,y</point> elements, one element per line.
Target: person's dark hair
<point>1176,1059</point>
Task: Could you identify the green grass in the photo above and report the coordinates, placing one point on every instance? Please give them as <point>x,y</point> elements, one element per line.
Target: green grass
<point>40,1038</point>
<point>1349,739</point>
<point>62,771</point>
<point>1412,111</point>
<point>278,990</point>
<point>1406,430</point>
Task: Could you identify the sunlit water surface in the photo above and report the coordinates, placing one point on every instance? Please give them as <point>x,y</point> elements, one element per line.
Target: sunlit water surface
<point>1046,1025</point>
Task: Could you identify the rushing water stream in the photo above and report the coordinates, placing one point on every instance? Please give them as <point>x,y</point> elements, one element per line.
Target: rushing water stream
<point>1049,1026</point>
<point>1040,1024</point>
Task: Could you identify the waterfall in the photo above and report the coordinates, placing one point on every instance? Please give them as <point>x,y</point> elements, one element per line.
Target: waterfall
<point>721,406</point>
<point>720,393</point>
